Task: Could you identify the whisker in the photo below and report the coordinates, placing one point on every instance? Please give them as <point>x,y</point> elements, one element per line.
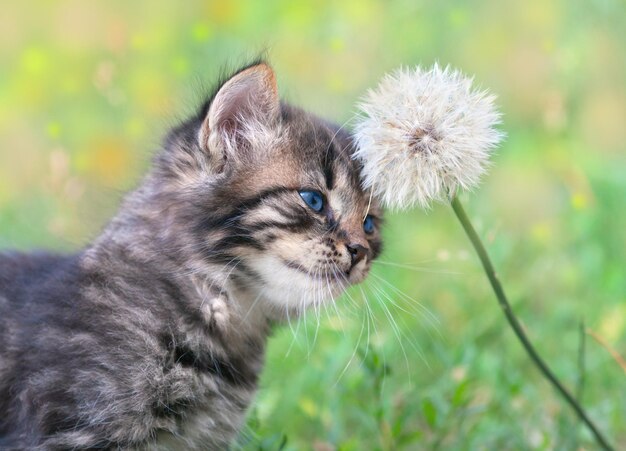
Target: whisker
<point>417,268</point>
<point>412,341</point>
<point>430,316</point>
<point>293,332</point>
<point>358,342</point>
<point>316,293</point>
<point>396,330</point>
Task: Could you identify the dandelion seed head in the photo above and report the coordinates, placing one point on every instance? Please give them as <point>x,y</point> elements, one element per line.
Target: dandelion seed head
<point>424,134</point>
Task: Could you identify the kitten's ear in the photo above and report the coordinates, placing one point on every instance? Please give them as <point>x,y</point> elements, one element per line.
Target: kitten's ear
<point>247,99</point>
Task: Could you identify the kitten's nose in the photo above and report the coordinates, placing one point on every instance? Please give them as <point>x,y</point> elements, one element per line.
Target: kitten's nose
<point>357,252</point>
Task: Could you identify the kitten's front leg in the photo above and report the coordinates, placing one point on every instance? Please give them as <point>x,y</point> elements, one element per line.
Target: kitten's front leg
<point>215,311</point>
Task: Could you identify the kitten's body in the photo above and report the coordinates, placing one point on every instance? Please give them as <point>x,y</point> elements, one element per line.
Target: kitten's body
<point>153,337</point>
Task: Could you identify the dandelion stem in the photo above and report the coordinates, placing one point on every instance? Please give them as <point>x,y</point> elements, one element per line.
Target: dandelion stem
<point>517,327</point>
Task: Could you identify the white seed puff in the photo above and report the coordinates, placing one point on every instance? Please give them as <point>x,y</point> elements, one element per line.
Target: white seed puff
<point>423,134</point>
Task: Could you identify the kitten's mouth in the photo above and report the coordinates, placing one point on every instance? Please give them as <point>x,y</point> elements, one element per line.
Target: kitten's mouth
<point>337,276</point>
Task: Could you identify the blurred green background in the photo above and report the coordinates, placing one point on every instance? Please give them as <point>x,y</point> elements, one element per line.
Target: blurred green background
<point>426,361</point>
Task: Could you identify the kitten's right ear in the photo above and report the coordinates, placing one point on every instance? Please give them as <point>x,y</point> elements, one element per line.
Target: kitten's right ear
<point>248,99</point>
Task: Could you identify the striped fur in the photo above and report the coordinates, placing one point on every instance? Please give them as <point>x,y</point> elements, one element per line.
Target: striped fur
<point>153,336</point>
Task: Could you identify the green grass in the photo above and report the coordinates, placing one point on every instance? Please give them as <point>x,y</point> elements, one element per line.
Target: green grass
<point>88,89</point>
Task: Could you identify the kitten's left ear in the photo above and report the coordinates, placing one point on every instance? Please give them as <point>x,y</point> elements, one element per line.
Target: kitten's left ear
<point>247,99</point>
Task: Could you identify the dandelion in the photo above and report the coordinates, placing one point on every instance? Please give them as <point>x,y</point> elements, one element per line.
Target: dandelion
<point>425,134</point>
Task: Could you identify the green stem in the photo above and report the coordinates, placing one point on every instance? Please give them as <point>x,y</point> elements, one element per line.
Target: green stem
<point>580,385</point>
<point>517,327</point>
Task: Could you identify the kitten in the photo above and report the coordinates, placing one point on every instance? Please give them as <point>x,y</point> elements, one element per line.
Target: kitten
<point>153,336</point>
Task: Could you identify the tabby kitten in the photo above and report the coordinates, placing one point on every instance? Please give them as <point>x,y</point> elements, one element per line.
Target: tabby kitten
<point>153,336</point>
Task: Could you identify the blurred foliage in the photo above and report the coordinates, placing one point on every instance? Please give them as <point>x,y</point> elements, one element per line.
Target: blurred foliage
<point>87,90</point>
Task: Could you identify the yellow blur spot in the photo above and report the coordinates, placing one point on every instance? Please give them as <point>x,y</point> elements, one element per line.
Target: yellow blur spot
<point>459,373</point>
<point>360,12</point>
<point>539,14</point>
<point>308,407</point>
<point>541,232</point>
<point>201,32</point>
<point>53,129</point>
<point>223,12</point>
<point>150,90</point>
<point>135,127</point>
<point>180,66</point>
<point>138,42</point>
<point>336,83</point>
<point>548,45</point>
<point>110,161</point>
<point>613,322</point>
<point>457,17</point>
<point>603,119</point>
<point>336,323</point>
<point>34,61</point>
<point>337,44</point>
<point>579,201</point>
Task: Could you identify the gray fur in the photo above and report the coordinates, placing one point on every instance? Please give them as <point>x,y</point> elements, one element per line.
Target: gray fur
<point>153,336</point>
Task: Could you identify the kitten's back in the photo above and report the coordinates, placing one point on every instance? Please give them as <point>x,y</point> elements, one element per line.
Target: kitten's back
<point>19,271</point>
<point>26,282</point>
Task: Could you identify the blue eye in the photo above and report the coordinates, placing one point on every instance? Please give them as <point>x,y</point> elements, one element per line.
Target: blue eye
<point>368,224</point>
<point>313,199</point>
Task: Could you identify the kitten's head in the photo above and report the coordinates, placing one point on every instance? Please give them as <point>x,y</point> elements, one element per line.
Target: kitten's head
<point>272,194</point>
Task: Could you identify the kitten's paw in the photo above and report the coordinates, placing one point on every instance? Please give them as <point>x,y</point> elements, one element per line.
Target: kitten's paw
<point>215,311</point>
